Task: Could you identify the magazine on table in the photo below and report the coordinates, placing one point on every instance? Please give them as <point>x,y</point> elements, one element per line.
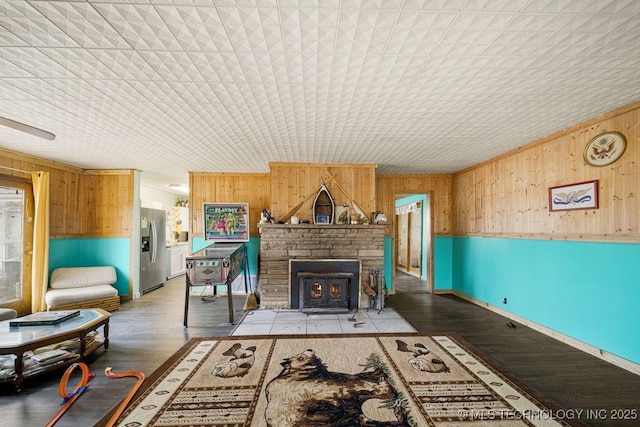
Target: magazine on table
<point>44,318</point>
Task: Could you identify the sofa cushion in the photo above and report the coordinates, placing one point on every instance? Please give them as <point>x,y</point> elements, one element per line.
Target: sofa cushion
<point>8,313</point>
<point>56,297</point>
<point>75,277</point>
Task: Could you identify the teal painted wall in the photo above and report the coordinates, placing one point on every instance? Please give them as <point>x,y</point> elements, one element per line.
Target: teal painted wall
<point>93,252</point>
<point>442,263</point>
<point>586,290</point>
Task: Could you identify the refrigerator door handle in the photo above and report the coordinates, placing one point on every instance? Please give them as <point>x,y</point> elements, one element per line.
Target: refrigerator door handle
<point>154,241</point>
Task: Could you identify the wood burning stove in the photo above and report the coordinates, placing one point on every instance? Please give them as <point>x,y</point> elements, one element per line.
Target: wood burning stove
<point>324,285</point>
<point>327,292</point>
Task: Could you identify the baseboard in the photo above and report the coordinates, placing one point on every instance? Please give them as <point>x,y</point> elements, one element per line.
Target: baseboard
<point>587,348</point>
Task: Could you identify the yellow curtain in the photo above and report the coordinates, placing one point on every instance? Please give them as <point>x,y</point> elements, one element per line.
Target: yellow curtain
<point>40,260</point>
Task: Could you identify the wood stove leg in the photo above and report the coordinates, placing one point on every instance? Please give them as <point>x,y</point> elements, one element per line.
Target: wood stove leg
<point>247,278</point>
<point>230,300</point>
<point>186,299</point>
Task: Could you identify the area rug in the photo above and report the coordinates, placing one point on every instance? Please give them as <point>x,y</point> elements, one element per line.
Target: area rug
<point>336,380</point>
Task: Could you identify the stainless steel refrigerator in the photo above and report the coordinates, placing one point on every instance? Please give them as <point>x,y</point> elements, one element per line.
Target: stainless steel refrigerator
<point>153,253</point>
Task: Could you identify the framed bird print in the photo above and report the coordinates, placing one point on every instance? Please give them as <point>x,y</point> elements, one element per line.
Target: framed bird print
<point>605,149</point>
<point>582,195</point>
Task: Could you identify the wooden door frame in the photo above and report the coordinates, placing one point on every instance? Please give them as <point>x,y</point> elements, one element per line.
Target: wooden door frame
<point>397,264</point>
<point>23,305</point>
<point>427,236</point>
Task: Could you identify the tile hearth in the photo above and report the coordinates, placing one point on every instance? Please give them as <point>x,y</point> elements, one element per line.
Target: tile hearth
<point>287,321</point>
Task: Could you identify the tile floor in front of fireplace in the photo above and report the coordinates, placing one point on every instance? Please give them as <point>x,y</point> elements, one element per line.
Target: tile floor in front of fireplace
<point>291,321</point>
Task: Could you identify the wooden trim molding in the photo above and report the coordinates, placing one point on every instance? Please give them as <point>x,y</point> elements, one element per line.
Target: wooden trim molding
<point>602,238</point>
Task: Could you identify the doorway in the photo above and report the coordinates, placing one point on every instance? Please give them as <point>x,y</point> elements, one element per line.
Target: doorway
<point>409,232</point>
<point>412,238</point>
<point>15,245</point>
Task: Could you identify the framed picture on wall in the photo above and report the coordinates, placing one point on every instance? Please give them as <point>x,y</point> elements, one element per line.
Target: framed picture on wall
<point>342,215</point>
<point>323,219</point>
<point>582,195</point>
<point>226,222</point>
<point>605,149</point>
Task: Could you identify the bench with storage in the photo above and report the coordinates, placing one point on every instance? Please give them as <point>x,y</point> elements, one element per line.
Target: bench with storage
<point>83,287</point>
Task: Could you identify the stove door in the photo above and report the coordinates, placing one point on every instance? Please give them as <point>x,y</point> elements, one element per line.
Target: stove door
<point>325,292</point>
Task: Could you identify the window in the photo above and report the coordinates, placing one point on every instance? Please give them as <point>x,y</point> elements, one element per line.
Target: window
<point>15,238</point>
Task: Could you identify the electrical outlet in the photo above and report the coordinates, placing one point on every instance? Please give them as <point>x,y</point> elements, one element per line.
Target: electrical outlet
<point>504,301</point>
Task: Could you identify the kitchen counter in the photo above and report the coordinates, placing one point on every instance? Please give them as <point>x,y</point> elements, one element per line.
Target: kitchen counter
<point>179,252</point>
<point>171,244</point>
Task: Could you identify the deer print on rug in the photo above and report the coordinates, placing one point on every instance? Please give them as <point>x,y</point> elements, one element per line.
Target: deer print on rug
<point>424,360</point>
<point>241,361</point>
<point>307,393</point>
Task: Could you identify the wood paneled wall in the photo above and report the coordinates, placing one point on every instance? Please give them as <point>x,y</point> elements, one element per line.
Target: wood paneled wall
<point>439,188</point>
<point>108,202</point>
<point>204,187</point>
<point>293,183</point>
<point>65,215</point>
<point>509,195</point>
<point>284,188</point>
<point>290,184</point>
<point>82,203</point>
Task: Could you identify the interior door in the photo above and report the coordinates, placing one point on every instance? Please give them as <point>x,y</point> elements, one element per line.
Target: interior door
<point>415,241</point>
<point>402,246</point>
<point>409,238</point>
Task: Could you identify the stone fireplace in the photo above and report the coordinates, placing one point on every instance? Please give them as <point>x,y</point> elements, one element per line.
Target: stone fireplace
<point>327,259</point>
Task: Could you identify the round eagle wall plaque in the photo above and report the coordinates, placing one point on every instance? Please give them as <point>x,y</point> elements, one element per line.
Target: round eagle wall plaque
<point>605,149</point>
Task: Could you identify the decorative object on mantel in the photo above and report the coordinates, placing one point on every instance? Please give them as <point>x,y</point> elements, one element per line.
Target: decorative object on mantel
<point>605,149</point>
<point>323,206</point>
<point>379,218</point>
<point>582,195</point>
<point>355,218</point>
<point>292,212</point>
<point>265,217</point>
<point>342,214</point>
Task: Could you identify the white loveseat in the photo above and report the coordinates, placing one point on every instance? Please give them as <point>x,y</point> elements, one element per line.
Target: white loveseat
<point>83,287</point>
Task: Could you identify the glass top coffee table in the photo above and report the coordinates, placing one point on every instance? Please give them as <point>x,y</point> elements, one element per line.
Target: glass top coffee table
<point>16,340</point>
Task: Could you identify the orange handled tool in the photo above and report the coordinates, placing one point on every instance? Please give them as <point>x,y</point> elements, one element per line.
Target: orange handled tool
<point>126,400</point>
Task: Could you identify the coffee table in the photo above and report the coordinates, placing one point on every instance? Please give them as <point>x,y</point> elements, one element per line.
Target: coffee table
<point>20,339</point>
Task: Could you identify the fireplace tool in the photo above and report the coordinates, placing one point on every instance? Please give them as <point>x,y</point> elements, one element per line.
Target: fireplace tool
<point>376,294</point>
<point>353,319</point>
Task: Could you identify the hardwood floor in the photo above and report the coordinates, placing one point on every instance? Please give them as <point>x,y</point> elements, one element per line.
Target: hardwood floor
<point>146,331</point>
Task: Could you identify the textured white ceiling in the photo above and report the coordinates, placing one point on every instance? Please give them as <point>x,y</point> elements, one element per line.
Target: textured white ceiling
<point>415,86</point>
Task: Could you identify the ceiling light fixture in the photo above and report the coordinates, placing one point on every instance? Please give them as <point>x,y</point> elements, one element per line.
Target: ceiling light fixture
<point>180,187</point>
<point>26,128</point>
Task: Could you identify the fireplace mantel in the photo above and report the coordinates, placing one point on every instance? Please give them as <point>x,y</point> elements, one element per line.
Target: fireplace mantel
<point>321,226</point>
<point>280,243</point>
